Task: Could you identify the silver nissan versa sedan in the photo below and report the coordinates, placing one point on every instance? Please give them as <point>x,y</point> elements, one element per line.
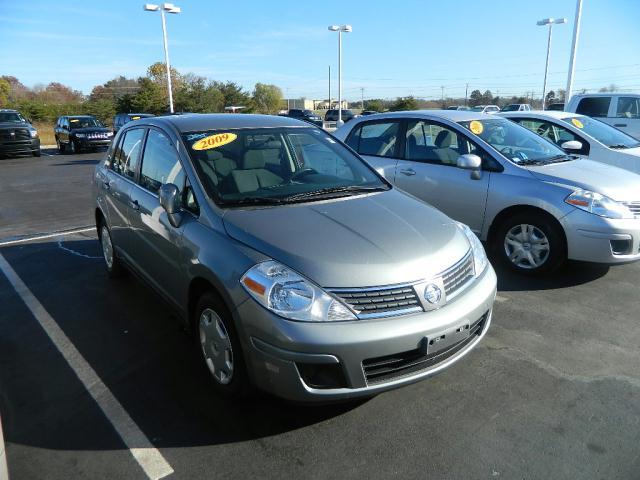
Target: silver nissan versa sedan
<point>534,204</point>
<point>298,268</point>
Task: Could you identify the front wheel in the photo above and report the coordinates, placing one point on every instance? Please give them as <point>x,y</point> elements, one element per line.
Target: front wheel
<point>36,153</point>
<point>530,243</point>
<point>111,261</point>
<point>219,347</point>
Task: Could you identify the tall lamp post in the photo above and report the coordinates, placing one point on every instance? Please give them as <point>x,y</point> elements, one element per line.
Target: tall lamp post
<point>574,47</point>
<point>340,29</point>
<point>551,22</point>
<point>169,8</point>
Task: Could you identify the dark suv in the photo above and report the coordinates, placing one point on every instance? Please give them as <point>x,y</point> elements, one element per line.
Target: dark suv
<point>306,115</point>
<point>332,115</point>
<point>78,132</point>
<point>17,135</point>
<point>121,118</point>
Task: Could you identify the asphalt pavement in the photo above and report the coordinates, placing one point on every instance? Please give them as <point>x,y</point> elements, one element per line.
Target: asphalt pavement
<point>552,392</point>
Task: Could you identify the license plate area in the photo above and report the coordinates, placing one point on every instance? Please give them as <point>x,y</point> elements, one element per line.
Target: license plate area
<point>444,340</point>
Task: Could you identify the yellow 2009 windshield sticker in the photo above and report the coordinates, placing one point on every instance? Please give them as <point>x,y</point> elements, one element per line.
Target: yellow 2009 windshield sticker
<point>135,118</point>
<point>577,123</point>
<point>214,141</point>
<point>73,120</point>
<point>476,127</point>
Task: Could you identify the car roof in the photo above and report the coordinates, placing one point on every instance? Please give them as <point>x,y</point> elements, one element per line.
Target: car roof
<point>541,114</point>
<point>216,121</point>
<point>79,116</point>
<point>451,115</point>
<point>9,110</point>
<point>606,94</point>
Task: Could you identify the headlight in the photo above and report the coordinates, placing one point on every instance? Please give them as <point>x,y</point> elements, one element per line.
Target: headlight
<point>480,260</point>
<point>80,135</point>
<point>598,204</point>
<point>288,294</point>
<point>109,134</point>
<point>33,133</point>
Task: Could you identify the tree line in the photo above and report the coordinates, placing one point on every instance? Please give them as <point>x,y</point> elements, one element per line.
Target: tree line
<point>147,94</point>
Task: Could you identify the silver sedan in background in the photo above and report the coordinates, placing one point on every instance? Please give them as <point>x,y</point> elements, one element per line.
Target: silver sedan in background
<point>533,203</point>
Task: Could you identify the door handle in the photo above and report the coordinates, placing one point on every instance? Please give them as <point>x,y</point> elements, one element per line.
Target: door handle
<point>134,204</point>
<point>619,124</point>
<point>408,172</point>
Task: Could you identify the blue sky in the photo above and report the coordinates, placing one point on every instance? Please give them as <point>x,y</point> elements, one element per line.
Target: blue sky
<point>411,47</point>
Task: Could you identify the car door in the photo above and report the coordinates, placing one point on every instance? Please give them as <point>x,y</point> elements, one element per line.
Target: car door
<point>429,171</point>
<point>155,248</point>
<point>626,115</point>
<point>378,143</point>
<point>120,179</point>
<point>63,132</point>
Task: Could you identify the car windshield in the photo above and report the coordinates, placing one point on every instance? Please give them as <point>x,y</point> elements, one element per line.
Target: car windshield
<point>606,134</point>
<point>511,108</point>
<point>11,117</point>
<point>516,143</point>
<point>479,108</point>
<point>277,165</point>
<point>309,113</point>
<point>84,122</point>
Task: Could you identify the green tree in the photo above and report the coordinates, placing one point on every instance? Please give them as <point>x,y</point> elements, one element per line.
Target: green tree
<point>404,103</point>
<point>475,98</point>
<point>150,98</point>
<point>266,98</point>
<point>103,108</point>
<point>375,105</point>
<point>487,97</point>
<point>5,90</point>
<point>233,94</point>
<point>195,95</point>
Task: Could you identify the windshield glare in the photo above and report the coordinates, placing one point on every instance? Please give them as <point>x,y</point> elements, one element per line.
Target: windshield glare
<point>515,142</point>
<point>269,165</point>
<point>86,122</point>
<point>611,137</point>
<point>11,117</point>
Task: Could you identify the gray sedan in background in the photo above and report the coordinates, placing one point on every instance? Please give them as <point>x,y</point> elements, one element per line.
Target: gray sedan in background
<point>535,204</point>
<point>297,267</point>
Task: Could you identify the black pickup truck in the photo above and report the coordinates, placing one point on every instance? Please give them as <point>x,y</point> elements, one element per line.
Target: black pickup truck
<point>17,135</point>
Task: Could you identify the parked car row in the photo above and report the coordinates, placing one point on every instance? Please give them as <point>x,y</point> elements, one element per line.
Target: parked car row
<point>17,134</point>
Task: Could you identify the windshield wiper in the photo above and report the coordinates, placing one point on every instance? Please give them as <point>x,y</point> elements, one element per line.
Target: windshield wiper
<point>254,201</point>
<point>331,190</point>
<point>619,146</point>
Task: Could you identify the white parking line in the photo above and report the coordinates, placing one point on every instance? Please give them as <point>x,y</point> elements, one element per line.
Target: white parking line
<point>147,456</point>
<point>501,299</point>
<point>4,473</point>
<point>33,238</point>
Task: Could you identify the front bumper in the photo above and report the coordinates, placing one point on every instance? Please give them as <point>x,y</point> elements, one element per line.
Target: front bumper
<point>592,238</point>
<point>279,351</point>
<point>92,142</point>
<point>20,146</point>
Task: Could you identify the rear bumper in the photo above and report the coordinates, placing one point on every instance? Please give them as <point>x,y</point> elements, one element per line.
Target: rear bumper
<point>365,357</point>
<point>592,238</point>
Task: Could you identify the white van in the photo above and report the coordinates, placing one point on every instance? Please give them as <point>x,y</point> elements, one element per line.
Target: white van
<point>621,110</point>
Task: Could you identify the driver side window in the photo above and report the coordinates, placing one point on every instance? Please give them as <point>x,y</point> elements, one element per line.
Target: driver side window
<point>433,143</point>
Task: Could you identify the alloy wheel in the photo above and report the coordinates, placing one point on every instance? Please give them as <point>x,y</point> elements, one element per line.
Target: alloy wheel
<point>216,346</point>
<point>107,246</point>
<point>526,246</point>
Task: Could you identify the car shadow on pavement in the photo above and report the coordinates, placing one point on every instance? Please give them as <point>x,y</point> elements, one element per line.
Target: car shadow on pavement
<point>570,275</point>
<point>76,162</point>
<point>137,347</point>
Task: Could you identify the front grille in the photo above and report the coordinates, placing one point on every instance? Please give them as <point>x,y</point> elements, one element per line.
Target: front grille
<point>634,207</point>
<point>391,367</point>
<point>14,135</point>
<point>383,301</point>
<point>95,136</point>
<point>458,276</point>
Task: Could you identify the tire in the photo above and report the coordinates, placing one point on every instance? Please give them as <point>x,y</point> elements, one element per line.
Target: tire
<point>59,145</point>
<point>111,261</point>
<point>530,243</point>
<point>218,347</point>
<point>36,153</point>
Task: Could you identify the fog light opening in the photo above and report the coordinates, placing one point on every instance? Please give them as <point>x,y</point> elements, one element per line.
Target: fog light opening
<point>322,376</point>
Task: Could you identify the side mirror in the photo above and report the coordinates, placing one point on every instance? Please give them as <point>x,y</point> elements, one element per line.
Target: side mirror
<point>170,201</point>
<point>571,145</point>
<point>469,161</point>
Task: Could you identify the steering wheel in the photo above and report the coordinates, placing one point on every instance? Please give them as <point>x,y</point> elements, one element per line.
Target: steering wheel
<point>543,129</point>
<point>507,152</point>
<point>302,173</point>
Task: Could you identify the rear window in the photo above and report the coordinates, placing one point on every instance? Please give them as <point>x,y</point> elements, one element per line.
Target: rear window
<point>628,107</point>
<point>594,106</point>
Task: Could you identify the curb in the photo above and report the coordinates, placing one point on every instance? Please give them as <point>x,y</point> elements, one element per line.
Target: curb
<point>4,473</point>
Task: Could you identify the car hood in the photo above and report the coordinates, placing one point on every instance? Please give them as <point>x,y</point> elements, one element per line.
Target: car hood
<point>14,125</point>
<point>91,130</point>
<point>616,183</point>
<point>372,240</point>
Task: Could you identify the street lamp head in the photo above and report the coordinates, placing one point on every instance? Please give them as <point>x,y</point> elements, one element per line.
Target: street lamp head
<point>346,28</point>
<point>168,6</point>
<point>150,7</point>
<point>174,10</point>
<point>545,21</point>
<point>560,20</point>
<point>334,28</point>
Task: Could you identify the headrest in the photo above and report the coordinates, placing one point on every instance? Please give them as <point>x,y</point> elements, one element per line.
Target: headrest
<point>444,139</point>
<point>224,166</point>
<point>212,155</point>
<point>272,144</point>
<point>254,159</point>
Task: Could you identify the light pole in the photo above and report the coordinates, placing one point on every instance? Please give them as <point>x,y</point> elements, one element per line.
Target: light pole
<point>340,29</point>
<point>551,22</point>
<point>169,8</point>
<point>574,47</point>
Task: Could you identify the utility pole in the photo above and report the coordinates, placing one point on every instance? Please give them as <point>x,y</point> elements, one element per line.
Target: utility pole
<point>466,95</point>
<point>362,98</point>
<point>329,87</point>
<point>442,87</point>
<point>288,105</point>
<point>574,48</point>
